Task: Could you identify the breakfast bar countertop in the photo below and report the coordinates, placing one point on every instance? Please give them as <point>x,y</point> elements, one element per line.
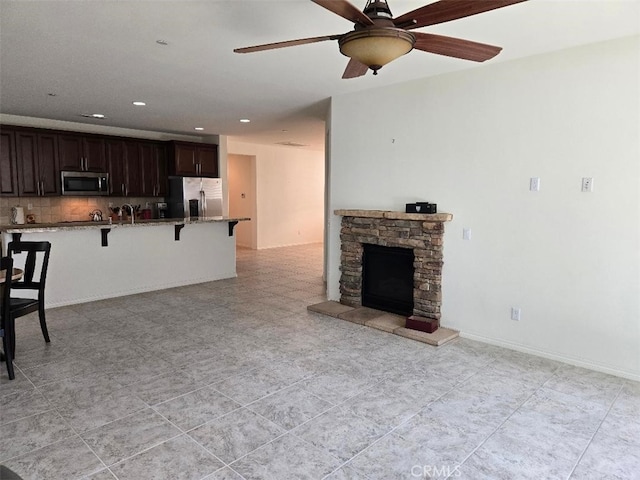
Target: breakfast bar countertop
<point>61,226</point>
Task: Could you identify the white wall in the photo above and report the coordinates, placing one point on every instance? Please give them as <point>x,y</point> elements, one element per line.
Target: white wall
<point>242,197</point>
<point>289,193</point>
<point>470,141</point>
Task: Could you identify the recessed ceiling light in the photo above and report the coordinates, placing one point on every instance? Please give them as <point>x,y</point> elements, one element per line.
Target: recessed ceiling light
<point>244,120</point>
<point>99,116</point>
<point>162,42</point>
<point>199,128</point>
<point>52,94</point>
<point>139,104</point>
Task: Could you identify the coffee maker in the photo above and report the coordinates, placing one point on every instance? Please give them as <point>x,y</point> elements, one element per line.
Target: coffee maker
<point>160,210</point>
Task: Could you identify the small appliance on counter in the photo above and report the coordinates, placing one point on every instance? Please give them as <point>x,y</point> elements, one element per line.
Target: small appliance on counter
<point>160,210</point>
<point>421,207</point>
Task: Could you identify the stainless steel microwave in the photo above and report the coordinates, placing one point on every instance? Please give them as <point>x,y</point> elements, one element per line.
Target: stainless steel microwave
<point>85,183</point>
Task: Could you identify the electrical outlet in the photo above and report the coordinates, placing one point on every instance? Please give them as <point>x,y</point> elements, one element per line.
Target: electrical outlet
<point>587,184</point>
<point>29,206</point>
<point>466,234</point>
<point>534,184</point>
<point>110,204</point>
<point>515,314</point>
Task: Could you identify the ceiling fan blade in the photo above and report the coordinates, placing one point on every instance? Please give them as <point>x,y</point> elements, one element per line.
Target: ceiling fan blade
<point>346,10</point>
<point>447,10</point>
<point>288,43</point>
<point>354,69</point>
<point>454,47</point>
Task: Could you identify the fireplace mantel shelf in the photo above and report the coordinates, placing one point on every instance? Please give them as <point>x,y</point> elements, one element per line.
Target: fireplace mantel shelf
<point>427,217</point>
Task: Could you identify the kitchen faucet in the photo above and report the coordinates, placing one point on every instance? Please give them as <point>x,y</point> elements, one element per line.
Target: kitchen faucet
<point>131,211</point>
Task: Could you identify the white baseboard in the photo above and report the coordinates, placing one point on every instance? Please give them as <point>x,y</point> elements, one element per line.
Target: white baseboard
<point>290,245</point>
<point>553,356</point>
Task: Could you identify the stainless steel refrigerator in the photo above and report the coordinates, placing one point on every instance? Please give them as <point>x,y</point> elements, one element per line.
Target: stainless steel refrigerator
<point>194,197</point>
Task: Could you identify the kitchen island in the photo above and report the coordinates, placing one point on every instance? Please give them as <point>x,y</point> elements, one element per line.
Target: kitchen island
<point>98,260</point>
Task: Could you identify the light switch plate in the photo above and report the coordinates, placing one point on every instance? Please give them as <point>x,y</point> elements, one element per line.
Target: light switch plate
<point>587,184</point>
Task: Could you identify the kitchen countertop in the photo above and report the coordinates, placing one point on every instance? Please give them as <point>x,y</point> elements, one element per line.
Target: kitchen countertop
<point>52,227</point>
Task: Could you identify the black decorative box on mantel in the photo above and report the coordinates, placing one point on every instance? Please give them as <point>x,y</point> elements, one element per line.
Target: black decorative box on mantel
<point>421,207</point>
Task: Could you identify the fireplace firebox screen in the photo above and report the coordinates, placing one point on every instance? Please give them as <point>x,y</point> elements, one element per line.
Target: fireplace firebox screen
<point>387,278</point>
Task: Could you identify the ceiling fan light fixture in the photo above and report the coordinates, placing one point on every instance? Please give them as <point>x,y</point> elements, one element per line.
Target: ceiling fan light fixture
<point>375,47</point>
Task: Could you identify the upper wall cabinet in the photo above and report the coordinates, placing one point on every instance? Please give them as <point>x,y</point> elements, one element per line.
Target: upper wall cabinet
<point>8,172</point>
<point>29,162</point>
<point>193,159</point>
<point>82,153</point>
<point>116,166</point>
<point>37,162</point>
<point>136,168</point>
<point>154,169</point>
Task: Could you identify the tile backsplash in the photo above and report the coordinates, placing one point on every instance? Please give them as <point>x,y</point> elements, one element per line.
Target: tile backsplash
<point>61,209</point>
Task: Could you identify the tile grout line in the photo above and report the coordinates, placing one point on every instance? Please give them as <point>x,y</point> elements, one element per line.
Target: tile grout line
<point>390,432</point>
<point>595,432</point>
<point>503,422</point>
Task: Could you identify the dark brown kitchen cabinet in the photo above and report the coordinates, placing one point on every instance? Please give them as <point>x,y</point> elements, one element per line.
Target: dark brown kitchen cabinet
<point>208,161</point>
<point>136,167</point>
<point>147,181</point>
<point>37,162</point>
<point>154,170</point>
<point>185,159</point>
<point>8,171</point>
<point>82,153</point>
<point>194,159</point>
<point>124,163</point>
<point>116,166</point>
<point>133,156</point>
<point>162,188</point>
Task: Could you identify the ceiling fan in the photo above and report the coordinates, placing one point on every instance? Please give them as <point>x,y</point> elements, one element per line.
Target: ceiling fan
<point>378,38</point>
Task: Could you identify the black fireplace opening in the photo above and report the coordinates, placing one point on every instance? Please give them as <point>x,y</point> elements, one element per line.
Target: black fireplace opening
<point>387,279</point>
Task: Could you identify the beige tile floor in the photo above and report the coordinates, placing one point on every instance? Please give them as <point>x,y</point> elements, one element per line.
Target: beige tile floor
<point>235,379</point>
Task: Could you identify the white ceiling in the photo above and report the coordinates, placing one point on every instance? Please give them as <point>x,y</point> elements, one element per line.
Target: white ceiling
<point>99,56</point>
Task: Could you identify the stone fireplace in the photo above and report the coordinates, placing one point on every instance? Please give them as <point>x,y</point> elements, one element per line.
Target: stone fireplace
<point>423,233</point>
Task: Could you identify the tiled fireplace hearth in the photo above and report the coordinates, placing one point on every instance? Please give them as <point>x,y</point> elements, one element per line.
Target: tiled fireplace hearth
<point>423,233</point>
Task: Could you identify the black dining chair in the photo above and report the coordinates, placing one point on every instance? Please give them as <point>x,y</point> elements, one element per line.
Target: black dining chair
<point>19,307</point>
<point>6,265</point>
